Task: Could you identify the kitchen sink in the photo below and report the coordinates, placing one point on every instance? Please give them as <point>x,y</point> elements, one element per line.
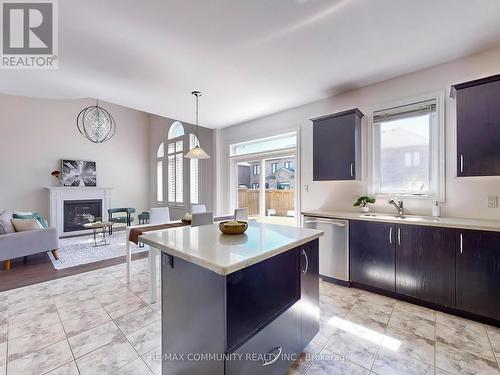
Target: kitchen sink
<point>404,218</point>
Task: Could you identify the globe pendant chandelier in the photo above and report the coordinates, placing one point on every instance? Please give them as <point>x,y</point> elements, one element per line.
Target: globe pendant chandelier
<point>96,124</point>
<point>197,152</point>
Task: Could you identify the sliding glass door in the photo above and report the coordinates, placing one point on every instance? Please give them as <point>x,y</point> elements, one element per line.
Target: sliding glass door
<point>248,187</point>
<point>265,182</point>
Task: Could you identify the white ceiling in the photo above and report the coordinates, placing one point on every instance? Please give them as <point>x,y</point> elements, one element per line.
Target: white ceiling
<point>248,57</point>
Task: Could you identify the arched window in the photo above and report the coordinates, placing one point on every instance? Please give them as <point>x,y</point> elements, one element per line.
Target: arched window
<point>160,154</point>
<point>176,130</point>
<point>170,163</point>
<point>194,172</point>
<point>175,164</point>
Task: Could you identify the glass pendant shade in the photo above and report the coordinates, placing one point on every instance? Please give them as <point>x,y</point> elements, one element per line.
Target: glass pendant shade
<point>96,124</point>
<point>197,153</point>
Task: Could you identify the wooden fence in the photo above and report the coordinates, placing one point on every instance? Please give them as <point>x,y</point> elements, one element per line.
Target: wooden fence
<point>280,200</point>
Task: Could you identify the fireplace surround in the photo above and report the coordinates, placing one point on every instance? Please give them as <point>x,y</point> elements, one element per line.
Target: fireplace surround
<point>61,194</point>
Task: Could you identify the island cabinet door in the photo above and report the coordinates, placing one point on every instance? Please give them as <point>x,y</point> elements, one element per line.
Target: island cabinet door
<point>309,291</point>
<point>272,350</point>
<point>478,272</point>
<point>425,263</point>
<point>372,247</point>
<point>257,294</point>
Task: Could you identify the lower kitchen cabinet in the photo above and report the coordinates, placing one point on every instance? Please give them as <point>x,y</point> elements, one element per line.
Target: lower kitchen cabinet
<point>372,260</point>
<point>425,263</point>
<point>478,273</point>
<point>309,254</point>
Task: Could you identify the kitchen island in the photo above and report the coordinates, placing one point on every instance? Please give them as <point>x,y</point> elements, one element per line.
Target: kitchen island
<point>237,304</point>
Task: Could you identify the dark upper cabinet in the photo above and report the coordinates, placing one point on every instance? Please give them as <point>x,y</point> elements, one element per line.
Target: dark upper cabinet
<point>336,146</point>
<point>478,127</point>
<point>372,253</point>
<point>425,263</point>
<point>478,272</point>
<point>309,254</point>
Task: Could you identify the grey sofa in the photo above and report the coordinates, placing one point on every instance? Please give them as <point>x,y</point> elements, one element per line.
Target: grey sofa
<point>21,244</point>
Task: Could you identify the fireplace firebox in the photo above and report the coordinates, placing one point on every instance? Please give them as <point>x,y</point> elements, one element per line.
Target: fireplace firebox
<point>80,212</point>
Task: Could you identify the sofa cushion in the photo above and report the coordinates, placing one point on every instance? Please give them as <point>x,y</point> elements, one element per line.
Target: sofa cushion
<point>23,225</point>
<point>35,215</point>
<point>5,222</point>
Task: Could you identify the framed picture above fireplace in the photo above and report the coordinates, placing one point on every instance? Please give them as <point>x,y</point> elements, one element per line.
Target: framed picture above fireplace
<point>78,173</point>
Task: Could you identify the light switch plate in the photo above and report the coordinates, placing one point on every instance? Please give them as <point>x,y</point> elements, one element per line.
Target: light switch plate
<point>493,201</point>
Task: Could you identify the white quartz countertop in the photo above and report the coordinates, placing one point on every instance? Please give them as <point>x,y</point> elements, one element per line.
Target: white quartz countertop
<point>207,247</point>
<point>449,222</point>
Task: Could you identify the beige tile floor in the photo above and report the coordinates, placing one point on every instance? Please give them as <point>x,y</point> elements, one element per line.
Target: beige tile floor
<point>94,323</point>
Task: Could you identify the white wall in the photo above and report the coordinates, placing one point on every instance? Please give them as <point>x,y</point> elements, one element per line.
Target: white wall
<point>35,134</point>
<point>465,197</point>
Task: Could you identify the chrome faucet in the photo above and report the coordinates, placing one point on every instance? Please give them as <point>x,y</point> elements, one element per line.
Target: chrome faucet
<point>399,206</point>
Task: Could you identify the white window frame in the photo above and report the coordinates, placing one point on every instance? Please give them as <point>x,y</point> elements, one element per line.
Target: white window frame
<point>438,179</point>
<point>160,173</point>
<point>194,173</point>
<point>178,182</point>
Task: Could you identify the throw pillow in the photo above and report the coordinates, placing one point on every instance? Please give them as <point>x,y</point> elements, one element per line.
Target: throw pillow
<point>5,222</point>
<point>23,213</point>
<point>35,215</point>
<point>23,225</point>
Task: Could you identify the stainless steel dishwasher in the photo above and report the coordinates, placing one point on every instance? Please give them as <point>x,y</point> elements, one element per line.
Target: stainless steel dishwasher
<point>333,247</point>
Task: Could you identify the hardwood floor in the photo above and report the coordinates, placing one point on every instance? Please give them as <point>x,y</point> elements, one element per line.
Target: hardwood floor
<point>38,268</point>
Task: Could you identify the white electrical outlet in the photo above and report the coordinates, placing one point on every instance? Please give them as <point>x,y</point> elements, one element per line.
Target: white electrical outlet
<point>492,201</point>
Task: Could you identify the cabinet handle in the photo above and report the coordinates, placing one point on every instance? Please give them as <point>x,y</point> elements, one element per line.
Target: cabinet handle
<point>461,162</point>
<point>352,170</point>
<point>390,235</point>
<point>399,236</point>
<point>276,357</point>
<point>461,244</point>
<point>307,262</point>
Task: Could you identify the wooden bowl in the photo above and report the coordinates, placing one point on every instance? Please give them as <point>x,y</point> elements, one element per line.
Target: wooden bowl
<point>233,229</point>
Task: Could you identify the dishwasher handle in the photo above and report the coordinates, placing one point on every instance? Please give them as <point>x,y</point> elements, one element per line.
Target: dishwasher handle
<point>325,222</point>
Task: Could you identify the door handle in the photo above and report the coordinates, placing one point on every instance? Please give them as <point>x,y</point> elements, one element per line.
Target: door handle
<point>399,236</point>
<point>461,162</point>
<point>461,243</point>
<point>390,235</point>
<point>352,170</point>
<point>307,262</point>
<point>276,357</point>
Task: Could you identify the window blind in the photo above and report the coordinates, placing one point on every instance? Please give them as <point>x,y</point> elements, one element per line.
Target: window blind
<point>402,112</point>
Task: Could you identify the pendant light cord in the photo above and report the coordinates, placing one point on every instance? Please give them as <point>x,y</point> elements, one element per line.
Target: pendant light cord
<point>197,94</point>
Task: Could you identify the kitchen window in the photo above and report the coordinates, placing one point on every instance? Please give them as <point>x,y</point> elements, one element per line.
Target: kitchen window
<point>408,151</point>
<point>256,169</point>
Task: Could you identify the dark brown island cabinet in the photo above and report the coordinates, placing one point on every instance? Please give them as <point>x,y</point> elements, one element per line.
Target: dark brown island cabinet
<point>256,320</point>
<point>337,146</point>
<point>456,269</point>
<point>478,127</point>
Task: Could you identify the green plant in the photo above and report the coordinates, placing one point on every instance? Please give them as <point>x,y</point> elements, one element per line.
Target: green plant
<point>363,201</point>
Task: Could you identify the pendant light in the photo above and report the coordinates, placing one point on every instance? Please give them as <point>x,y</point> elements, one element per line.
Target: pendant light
<point>197,152</point>
<point>96,124</point>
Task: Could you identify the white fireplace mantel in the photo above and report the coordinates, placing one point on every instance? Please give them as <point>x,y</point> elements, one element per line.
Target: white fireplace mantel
<point>58,194</point>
